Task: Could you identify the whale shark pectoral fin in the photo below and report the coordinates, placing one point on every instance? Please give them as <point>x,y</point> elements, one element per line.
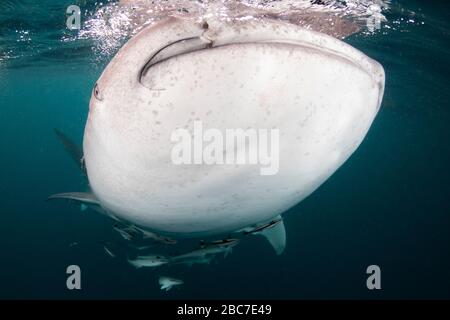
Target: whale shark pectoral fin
<point>85,199</point>
<point>276,236</point>
<point>75,151</point>
<point>81,197</point>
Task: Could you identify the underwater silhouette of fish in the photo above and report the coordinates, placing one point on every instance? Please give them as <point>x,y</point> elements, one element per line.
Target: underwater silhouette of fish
<point>205,254</point>
<point>148,261</point>
<point>168,283</point>
<point>227,241</point>
<point>194,259</point>
<point>133,232</point>
<point>321,93</point>
<point>125,232</point>
<point>108,247</point>
<point>155,237</point>
<point>262,228</point>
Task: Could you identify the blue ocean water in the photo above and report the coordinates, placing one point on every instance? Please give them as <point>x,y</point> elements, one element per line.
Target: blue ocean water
<point>388,205</point>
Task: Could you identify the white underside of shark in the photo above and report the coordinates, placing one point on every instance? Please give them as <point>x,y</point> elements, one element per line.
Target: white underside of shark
<point>321,94</point>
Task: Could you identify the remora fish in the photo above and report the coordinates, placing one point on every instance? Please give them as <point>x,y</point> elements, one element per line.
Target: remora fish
<point>132,232</point>
<point>222,242</point>
<point>190,259</point>
<point>108,251</point>
<point>321,93</point>
<point>273,231</point>
<point>110,248</point>
<point>148,261</point>
<point>126,232</point>
<point>156,237</point>
<point>168,283</point>
<point>261,228</point>
<point>205,254</point>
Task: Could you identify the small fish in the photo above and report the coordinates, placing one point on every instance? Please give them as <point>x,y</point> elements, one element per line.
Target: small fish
<point>168,283</point>
<point>206,253</point>
<point>260,228</point>
<point>109,252</point>
<point>148,261</point>
<point>128,233</point>
<point>190,261</point>
<point>228,241</point>
<point>110,248</point>
<point>151,235</point>
<point>124,235</point>
<point>142,248</point>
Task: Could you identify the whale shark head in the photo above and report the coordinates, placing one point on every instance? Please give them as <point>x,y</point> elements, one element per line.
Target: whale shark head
<point>128,71</point>
<point>319,92</point>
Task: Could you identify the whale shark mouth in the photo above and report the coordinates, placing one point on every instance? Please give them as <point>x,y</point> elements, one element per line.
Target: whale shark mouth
<point>171,50</point>
<point>318,42</point>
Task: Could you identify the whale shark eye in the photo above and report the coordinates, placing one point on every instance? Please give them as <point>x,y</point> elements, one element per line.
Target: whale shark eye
<point>97,93</point>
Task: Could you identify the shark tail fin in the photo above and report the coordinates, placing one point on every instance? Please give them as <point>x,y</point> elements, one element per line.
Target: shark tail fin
<point>276,236</point>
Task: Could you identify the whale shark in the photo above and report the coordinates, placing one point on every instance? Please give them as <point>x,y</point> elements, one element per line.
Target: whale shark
<point>319,92</point>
